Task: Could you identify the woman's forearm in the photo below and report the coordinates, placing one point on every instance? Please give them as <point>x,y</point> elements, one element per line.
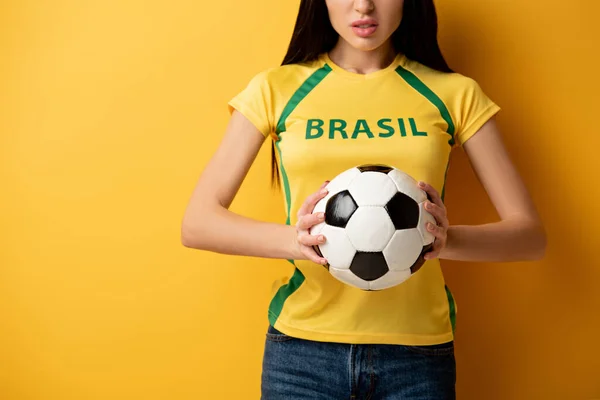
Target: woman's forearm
<point>223,231</point>
<point>503,241</point>
<point>226,232</point>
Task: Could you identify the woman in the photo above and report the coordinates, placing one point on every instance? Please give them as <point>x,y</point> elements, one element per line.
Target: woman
<point>363,82</point>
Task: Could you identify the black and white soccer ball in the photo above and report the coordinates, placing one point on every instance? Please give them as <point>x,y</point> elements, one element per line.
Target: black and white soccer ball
<point>375,227</point>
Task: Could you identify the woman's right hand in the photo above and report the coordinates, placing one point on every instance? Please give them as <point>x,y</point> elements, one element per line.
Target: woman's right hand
<point>306,219</point>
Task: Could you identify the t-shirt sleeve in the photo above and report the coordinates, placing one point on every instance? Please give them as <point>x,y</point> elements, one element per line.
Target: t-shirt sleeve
<point>255,103</point>
<point>472,108</point>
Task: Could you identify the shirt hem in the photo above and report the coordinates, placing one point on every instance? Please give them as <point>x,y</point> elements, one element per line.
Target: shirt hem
<point>365,338</point>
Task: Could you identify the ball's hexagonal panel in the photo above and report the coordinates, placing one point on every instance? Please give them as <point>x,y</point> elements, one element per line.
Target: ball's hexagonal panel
<point>421,260</point>
<point>372,189</point>
<point>337,249</point>
<point>316,229</point>
<point>407,185</point>
<point>346,276</point>
<point>339,209</point>
<point>403,249</point>
<point>424,218</point>
<point>391,279</point>
<point>322,204</point>
<point>338,183</point>
<point>370,229</point>
<point>384,169</point>
<point>369,266</point>
<point>403,211</point>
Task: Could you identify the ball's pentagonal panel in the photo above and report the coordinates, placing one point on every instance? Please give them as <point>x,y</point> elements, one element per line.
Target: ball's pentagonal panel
<point>318,251</point>
<point>339,209</point>
<point>421,260</point>
<point>337,249</point>
<point>429,197</point>
<point>372,189</point>
<point>384,169</point>
<point>338,183</point>
<point>390,279</point>
<point>403,249</point>
<point>370,229</point>
<point>346,276</point>
<point>424,218</point>
<point>369,266</point>
<point>407,185</point>
<point>403,211</point>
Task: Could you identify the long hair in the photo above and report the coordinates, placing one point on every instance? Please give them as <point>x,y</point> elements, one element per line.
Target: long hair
<point>416,38</point>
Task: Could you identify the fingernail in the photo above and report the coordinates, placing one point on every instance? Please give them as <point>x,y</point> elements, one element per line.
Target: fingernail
<point>321,238</point>
<point>323,261</point>
<point>428,205</point>
<point>323,191</point>
<point>421,184</point>
<point>430,225</point>
<point>321,216</point>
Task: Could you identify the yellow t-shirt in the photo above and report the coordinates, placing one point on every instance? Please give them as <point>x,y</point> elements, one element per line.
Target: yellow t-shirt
<point>325,120</point>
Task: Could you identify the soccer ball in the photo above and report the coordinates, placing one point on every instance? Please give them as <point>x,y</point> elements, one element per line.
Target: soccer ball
<point>375,227</point>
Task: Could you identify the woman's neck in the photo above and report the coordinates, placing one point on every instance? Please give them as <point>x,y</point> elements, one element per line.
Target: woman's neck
<point>361,61</point>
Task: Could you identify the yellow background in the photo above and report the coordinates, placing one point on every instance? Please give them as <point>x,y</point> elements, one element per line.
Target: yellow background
<point>110,109</point>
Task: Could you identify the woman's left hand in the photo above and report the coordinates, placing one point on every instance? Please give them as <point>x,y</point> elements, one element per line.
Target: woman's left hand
<point>437,209</point>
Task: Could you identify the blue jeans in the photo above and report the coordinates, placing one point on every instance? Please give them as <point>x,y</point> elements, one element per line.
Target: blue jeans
<point>295,369</point>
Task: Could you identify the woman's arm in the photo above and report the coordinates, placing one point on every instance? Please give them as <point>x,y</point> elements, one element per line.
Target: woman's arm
<point>519,235</point>
<point>209,225</point>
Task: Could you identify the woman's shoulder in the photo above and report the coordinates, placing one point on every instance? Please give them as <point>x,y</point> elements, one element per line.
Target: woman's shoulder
<point>428,75</point>
<point>288,74</point>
